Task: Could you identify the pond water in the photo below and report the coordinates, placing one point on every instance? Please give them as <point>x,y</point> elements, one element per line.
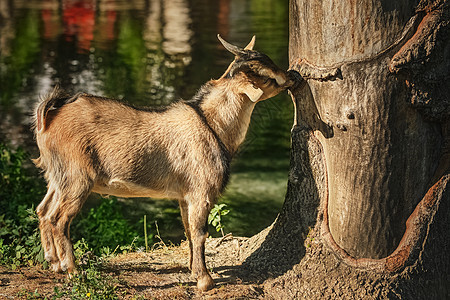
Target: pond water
<point>151,53</point>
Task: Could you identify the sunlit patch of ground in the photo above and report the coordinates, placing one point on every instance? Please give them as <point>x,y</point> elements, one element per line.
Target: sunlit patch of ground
<point>158,274</point>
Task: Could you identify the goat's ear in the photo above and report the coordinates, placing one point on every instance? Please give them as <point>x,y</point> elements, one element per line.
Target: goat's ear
<point>251,44</point>
<point>253,92</point>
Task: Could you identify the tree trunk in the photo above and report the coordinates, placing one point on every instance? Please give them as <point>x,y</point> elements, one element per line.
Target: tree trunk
<point>367,208</point>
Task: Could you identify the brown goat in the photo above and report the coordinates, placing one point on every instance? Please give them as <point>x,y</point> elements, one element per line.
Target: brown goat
<point>94,144</point>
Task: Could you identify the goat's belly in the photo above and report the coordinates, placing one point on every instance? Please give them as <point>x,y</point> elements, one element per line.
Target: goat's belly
<point>126,189</point>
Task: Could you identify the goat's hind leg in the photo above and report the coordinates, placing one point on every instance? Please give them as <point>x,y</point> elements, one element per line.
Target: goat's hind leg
<point>68,205</point>
<point>44,210</point>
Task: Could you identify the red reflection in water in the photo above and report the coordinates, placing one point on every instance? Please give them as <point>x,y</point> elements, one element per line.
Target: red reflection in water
<point>79,22</point>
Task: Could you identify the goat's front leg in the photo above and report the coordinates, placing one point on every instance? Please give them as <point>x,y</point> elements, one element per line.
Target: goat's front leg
<point>198,216</point>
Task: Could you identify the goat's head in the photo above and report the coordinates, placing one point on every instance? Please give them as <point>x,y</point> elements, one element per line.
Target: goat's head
<point>259,77</point>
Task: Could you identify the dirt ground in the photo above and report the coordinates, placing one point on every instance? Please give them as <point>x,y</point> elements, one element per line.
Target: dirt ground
<point>158,274</point>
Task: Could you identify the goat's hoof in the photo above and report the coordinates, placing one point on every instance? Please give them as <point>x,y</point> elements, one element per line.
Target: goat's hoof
<point>56,267</point>
<point>205,283</point>
<point>72,270</point>
<point>72,273</point>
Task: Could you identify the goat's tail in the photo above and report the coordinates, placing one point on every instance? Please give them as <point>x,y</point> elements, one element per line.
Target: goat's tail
<point>55,99</point>
<point>52,100</point>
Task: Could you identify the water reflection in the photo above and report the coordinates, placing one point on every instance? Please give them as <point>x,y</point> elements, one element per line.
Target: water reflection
<point>79,21</point>
<point>146,52</point>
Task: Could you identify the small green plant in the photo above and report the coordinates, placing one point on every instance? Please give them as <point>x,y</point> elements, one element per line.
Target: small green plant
<point>25,294</point>
<point>19,187</point>
<point>215,217</point>
<point>90,282</point>
<point>20,242</point>
<point>145,233</point>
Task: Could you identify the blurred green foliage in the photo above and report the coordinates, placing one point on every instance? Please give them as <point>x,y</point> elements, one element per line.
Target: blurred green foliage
<point>104,226</point>
<point>15,66</point>
<point>19,234</point>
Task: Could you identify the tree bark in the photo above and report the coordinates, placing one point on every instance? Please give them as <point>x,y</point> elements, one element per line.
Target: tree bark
<point>367,207</point>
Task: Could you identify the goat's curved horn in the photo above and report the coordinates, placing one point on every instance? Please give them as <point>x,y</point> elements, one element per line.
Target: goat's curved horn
<point>232,48</point>
<point>251,44</point>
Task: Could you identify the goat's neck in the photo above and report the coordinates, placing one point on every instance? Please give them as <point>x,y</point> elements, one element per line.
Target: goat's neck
<point>227,112</point>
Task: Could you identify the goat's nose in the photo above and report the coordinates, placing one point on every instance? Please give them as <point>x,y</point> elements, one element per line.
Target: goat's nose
<point>294,79</point>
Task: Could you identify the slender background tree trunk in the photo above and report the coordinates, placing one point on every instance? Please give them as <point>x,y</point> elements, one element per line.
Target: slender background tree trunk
<point>367,207</point>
